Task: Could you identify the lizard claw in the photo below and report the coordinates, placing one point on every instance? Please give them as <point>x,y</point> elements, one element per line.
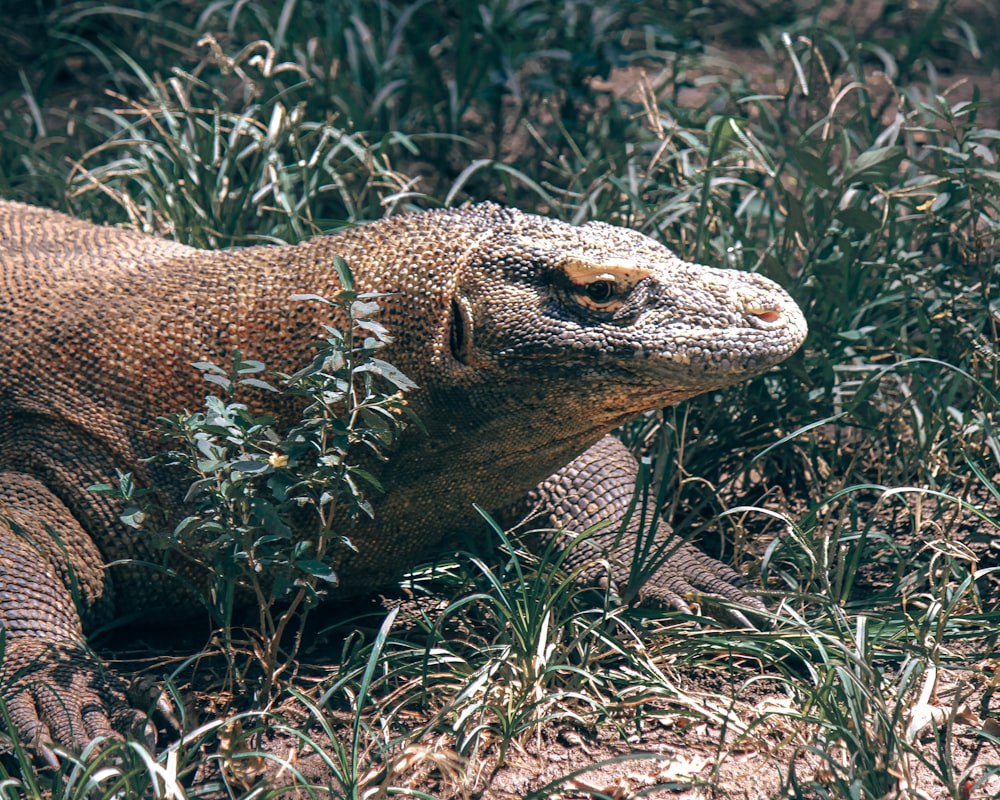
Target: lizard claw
<point>146,692</point>
<point>57,693</point>
<point>690,578</point>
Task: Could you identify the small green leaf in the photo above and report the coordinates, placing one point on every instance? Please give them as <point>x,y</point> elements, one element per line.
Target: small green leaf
<point>250,466</point>
<point>814,166</point>
<point>859,220</point>
<point>256,383</point>
<point>133,516</point>
<point>271,519</point>
<point>360,309</point>
<point>391,374</point>
<point>317,569</point>
<point>249,367</point>
<point>313,298</point>
<point>187,525</point>
<point>874,164</point>
<point>219,380</point>
<point>344,273</point>
<point>855,335</point>
<point>796,218</point>
<point>198,487</point>
<point>375,328</point>
<point>280,586</point>
<point>208,366</point>
<point>301,549</point>
<point>365,475</point>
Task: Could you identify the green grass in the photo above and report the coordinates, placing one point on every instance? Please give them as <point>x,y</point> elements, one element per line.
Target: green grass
<point>858,479</point>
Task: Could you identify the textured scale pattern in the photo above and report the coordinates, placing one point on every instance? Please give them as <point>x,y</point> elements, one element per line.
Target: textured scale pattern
<point>529,339</point>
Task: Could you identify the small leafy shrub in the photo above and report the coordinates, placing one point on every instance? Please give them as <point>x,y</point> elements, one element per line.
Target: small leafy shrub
<point>267,504</point>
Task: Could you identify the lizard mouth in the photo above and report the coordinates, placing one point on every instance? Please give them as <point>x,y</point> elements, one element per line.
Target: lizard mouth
<point>691,358</point>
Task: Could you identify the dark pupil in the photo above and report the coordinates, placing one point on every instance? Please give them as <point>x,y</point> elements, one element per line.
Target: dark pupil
<point>600,291</point>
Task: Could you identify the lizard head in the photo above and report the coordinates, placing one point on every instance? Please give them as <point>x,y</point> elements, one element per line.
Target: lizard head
<point>539,299</point>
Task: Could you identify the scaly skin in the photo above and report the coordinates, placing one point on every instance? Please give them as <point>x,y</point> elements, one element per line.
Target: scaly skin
<point>530,339</point>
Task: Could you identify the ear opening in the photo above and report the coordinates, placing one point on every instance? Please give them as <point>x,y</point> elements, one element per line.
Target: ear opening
<point>453,330</point>
<point>460,331</point>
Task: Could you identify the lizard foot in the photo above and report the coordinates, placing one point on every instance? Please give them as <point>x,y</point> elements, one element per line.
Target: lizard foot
<point>58,693</point>
<point>689,578</point>
<point>598,487</point>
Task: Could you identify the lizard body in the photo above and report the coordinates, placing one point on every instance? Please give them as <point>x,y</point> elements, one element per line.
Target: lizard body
<point>529,340</point>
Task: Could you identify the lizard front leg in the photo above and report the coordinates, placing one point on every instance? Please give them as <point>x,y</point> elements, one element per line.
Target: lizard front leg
<point>598,487</point>
<point>56,690</point>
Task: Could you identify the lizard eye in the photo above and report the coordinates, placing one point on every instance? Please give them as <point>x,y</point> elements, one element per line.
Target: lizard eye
<point>602,286</point>
<point>601,291</point>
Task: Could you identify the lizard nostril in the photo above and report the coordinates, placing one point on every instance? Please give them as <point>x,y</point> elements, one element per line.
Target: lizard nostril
<point>766,316</point>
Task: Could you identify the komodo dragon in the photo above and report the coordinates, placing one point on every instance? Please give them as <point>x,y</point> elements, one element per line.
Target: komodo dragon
<point>530,339</point>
